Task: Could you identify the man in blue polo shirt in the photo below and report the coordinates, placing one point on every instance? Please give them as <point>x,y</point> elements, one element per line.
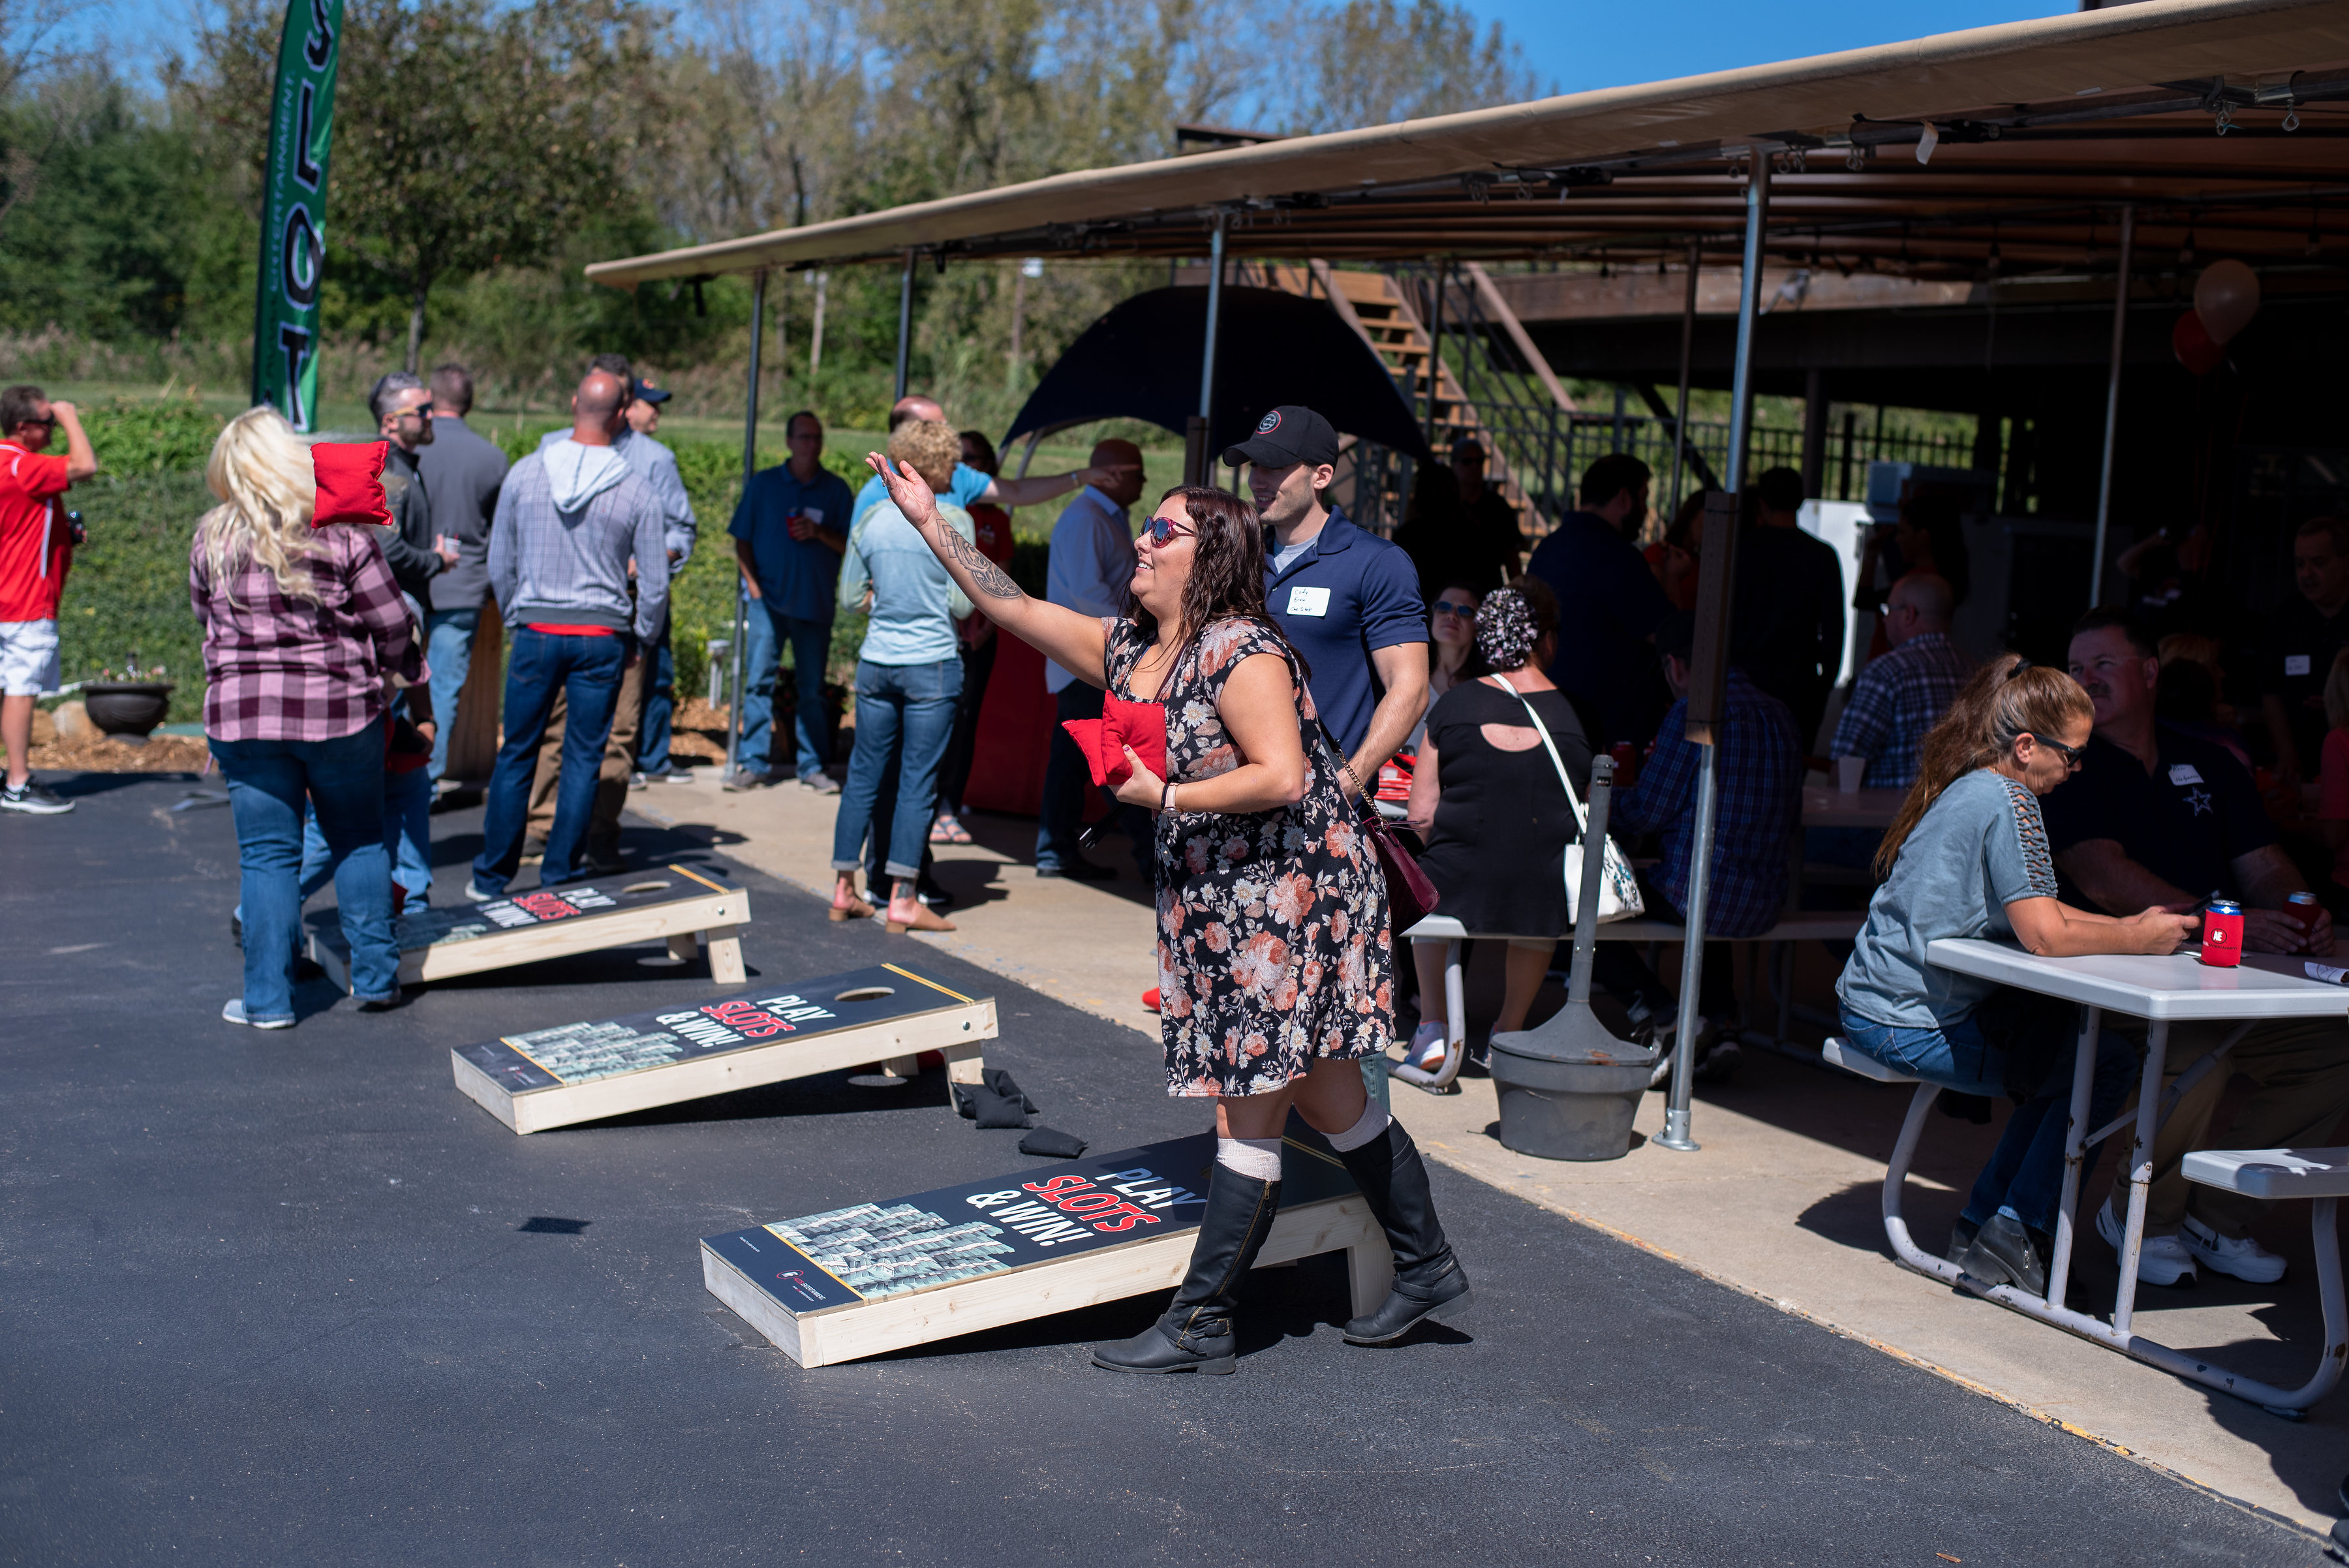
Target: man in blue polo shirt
<point>789,533</point>
<point>1348,599</point>
<point>970,484</point>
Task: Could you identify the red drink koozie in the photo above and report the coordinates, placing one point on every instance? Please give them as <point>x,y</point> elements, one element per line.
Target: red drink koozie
<point>2222,934</point>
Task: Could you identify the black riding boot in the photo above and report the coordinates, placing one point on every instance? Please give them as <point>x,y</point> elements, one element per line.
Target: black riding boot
<point>1428,1278</point>
<point>1195,1334</point>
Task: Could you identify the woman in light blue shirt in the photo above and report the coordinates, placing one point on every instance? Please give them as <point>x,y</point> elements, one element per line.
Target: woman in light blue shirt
<point>1967,856</point>
<point>908,680</point>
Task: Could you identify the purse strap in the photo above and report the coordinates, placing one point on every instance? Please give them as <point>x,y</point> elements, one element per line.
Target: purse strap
<point>1581,823</point>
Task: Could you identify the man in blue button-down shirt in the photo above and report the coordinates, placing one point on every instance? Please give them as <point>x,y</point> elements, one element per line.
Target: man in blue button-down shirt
<point>789,533</point>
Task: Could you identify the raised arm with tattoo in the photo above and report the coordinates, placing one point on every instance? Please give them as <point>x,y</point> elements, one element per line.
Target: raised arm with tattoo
<point>1072,641</point>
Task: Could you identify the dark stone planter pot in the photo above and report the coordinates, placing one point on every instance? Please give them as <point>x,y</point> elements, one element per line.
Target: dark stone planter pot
<point>128,708</point>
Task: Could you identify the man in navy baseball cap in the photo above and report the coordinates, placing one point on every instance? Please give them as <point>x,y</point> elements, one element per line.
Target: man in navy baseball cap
<point>1288,434</point>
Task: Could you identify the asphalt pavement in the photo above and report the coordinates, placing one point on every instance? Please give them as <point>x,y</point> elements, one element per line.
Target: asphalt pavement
<point>291,1297</point>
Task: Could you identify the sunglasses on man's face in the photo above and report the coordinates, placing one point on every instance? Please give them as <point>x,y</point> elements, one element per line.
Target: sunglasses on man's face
<point>1164,530</point>
<point>1455,607</point>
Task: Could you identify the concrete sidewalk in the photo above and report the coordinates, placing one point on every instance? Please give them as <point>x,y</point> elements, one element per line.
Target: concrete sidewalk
<point>1781,1202</point>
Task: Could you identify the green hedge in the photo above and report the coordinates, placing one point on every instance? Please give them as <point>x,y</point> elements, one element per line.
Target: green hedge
<point>129,588</point>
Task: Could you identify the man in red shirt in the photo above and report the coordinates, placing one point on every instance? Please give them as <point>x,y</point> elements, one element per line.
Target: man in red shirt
<point>35,551</point>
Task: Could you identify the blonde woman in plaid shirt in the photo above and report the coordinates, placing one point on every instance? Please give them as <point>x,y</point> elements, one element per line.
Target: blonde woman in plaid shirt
<point>301,628</point>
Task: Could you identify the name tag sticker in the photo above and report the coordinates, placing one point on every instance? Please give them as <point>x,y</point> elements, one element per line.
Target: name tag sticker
<point>2295,664</point>
<point>813,513</point>
<point>2184,773</point>
<point>1309,601</point>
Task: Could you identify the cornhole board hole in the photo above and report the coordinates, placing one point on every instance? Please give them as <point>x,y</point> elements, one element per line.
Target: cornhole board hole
<point>583,1072</point>
<point>875,1277</point>
<point>447,940</point>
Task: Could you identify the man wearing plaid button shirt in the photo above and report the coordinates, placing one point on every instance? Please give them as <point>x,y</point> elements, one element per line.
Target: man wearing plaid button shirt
<point>1902,695</point>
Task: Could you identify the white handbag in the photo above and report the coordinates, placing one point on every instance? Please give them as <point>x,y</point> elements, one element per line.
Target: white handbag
<point>1618,890</point>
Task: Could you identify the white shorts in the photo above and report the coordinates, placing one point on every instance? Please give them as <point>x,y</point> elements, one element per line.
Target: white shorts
<point>28,658</point>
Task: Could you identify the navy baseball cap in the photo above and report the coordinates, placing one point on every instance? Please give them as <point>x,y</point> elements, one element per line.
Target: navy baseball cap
<point>639,392</point>
<point>1289,434</point>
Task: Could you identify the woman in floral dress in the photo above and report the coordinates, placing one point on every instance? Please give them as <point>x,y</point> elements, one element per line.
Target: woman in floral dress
<point>1275,963</point>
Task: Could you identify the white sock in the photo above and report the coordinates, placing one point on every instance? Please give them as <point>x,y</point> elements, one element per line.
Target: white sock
<point>1372,1123</point>
<point>1257,1158</point>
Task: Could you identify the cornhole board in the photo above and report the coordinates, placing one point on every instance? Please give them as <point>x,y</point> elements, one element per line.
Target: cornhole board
<point>875,1277</point>
<point>582,1072</point>
<point>447,940</point>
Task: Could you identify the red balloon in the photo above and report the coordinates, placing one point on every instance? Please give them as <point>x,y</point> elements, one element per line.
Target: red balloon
<point>2191,341</point>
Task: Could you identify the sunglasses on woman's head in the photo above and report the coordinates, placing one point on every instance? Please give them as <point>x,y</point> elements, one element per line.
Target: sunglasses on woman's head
<point>1161,530</point>
<point>1455,607</point>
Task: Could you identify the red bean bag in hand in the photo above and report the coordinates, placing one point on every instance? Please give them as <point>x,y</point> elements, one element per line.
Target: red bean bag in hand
<point>350,483</point>
<point>1141,725</point>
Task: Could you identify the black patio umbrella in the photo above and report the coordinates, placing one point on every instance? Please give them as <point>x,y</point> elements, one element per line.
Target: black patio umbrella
<point>1142,360</point>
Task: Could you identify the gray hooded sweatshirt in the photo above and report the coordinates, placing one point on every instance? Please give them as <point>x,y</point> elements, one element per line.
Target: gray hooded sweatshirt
<point>570,519</point>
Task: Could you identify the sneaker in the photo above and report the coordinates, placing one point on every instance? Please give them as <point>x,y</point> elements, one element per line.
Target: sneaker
<point>2239,1256</point>
<point>385,1004</point>
<point>1077,868</point>
<point>820,782</point>
<point>670,774</point>
<point>32,800</point>
<point>636,780</point>
<point>478,894</point>
<point>747,779</point>
<point>1720,1062</point>
<point>1428,1045</point>
<point>235,1013</point>
<point>2160,1260</point>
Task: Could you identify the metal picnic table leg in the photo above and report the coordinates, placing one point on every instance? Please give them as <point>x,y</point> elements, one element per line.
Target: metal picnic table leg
<point>2148,1119</point>
<point>2076,1142</point>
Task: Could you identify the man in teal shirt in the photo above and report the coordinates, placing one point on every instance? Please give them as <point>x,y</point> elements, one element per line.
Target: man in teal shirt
<point>789,532</point>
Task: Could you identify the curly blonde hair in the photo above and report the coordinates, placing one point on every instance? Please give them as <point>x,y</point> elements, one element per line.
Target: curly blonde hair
<point>932,448</point>
<point>261,472</point>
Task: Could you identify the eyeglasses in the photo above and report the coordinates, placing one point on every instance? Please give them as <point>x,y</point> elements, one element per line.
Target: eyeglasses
<point>1164,530</point>
<point>2072,756</point>
<point>1455,607</point>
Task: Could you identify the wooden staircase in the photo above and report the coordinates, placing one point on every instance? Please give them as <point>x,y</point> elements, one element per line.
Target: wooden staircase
<point>1381,309</point>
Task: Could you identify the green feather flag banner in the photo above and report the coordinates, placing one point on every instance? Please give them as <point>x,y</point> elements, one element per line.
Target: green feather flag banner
<point>293,212</point>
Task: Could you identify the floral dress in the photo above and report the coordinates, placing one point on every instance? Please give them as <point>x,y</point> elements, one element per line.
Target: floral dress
<point>1273,942</point>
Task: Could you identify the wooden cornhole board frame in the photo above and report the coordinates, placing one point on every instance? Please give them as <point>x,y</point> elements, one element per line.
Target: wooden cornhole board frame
<point>583,1072</point>
<point>878,1277</point>
<point>448,940</point>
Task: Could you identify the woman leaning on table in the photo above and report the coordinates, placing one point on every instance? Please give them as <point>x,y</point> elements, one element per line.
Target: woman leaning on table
<point>1967,856</point>
<point>1274,955</point>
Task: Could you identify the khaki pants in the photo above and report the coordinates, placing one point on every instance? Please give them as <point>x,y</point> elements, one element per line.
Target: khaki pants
<point>611,781</point>
<point>2300,1077</point>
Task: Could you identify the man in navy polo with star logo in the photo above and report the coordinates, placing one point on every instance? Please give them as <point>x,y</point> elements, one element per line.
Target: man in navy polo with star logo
<point>1348,599</point>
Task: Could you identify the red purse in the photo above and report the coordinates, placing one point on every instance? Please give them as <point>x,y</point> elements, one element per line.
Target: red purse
<point>350,483</point>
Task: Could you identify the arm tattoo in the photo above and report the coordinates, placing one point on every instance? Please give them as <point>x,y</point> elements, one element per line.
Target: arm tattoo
<point>985,576</point>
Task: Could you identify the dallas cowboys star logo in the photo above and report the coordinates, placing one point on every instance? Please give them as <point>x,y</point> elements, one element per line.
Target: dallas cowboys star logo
<point>2199,800</point>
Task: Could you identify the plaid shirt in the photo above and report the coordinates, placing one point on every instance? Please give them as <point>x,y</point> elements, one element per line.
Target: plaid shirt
<point>281,669</point>
<point>1760,772</point>
<point>1894,703</point>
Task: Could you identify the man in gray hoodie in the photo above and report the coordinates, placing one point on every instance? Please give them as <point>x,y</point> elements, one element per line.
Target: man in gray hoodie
<point>572,518</point>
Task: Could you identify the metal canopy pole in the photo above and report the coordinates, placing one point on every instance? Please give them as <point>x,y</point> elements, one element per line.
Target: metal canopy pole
<point>750,467</point>
<point>905,321</point>
<point>1688,353</point>
<point>1704,728</point>
<point>2112,405</point>
<point>1435,352</point>
<point>1208,354</point>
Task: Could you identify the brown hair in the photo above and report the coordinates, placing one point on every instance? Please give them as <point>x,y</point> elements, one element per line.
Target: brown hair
<point>1226,567</point>
<point>930,446</point>
<point>2008,698</point>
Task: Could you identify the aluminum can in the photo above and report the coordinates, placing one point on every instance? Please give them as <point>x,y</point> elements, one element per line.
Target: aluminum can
<point>2302,908</point>
<point>2222,934</point>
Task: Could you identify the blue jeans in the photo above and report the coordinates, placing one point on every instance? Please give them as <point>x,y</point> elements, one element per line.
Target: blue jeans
<point>811,643</point>
<point>759,664</point>
<point>342,779</point>
<point>660,707</point>
<point>449,650</point>
<point>2024,1178</point>
<point>587,671</point>
<point>904,712</point>
<point>407,837</point>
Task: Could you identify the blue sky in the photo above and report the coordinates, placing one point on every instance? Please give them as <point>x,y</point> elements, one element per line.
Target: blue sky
<point>1591,45</point>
